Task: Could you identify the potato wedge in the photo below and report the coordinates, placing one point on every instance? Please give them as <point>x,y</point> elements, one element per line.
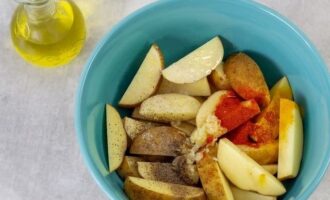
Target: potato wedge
<point>198,88</point>
<point>282,88</point>
<point>213,181</point>
<point>137,189</point>
<point>247,195</point>
<point>135,127</point>
<point>129,167</point>
<point>197,64</point>
<point>136,114</point>
<point>146,80</point>
<point>159,172</point>
<point>244,172</point>
<point>219,78</point>
<point>290,140</point>
<point>246,78</point>
<point>159,141</point>
<point>116,137</point>
<point>170,107</point>
<point>184,127</point>
<point>267,123</point>
<point>263,154</point>
<point>270,168</point>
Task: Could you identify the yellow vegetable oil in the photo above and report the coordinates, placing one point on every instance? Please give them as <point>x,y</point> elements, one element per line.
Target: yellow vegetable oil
<point>48,33</point>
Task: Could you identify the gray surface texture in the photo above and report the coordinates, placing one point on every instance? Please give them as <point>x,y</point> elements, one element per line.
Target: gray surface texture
<point>39,153</point>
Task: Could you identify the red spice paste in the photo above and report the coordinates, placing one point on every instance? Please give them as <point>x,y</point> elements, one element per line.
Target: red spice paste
<point>242,134</point>
<point>233,112</point>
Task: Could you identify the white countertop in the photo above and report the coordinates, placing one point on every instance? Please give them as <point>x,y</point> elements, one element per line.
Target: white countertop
<point>39,153</point>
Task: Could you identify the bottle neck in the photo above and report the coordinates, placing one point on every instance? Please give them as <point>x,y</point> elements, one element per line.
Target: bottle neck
<point>40,10</point>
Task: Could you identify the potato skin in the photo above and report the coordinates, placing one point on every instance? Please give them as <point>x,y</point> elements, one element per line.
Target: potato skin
<point>246,78</point>
<point>160,141</point>
<point>152,158</point>
<point>136,189</point>
<point>159,172</point>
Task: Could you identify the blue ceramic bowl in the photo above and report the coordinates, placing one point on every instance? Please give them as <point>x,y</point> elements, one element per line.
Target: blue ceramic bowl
<point>179,26</point>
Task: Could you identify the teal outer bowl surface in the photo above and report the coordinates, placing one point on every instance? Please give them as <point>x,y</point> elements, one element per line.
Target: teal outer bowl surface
<point>179,26</point>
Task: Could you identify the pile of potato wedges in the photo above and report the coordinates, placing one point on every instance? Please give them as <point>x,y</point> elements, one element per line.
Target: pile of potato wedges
<point>204,128</point>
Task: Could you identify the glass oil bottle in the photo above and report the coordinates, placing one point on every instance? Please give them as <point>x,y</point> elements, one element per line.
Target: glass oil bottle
<point>48,33</point>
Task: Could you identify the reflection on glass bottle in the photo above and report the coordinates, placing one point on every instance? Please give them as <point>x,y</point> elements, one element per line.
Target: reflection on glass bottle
<point>48,33</point>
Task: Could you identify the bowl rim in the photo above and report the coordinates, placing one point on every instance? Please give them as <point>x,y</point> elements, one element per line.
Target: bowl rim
<point>77,114</point>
